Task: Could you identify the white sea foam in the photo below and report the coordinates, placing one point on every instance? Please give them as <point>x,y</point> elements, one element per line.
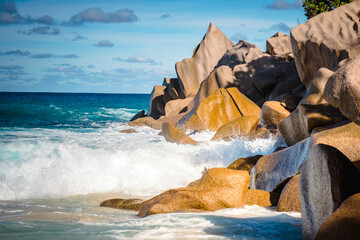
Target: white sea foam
<point>42,163</point>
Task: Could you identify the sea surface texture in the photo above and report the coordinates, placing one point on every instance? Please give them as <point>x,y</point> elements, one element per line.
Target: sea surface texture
<point>61,154</point>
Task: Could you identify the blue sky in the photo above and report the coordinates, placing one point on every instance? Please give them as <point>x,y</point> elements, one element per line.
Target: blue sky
<point>116,46</point>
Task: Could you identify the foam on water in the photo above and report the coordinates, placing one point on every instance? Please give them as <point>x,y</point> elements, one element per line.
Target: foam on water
<point>41,163</point>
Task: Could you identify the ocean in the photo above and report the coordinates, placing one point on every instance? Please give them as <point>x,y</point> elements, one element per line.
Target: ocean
<point>61,154</point>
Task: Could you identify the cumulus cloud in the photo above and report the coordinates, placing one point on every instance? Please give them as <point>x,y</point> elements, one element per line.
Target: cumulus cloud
<point>104,43</point>
<point>15,53</point>
<point>41,30</point>
<point>9,15</point>
<point>164,16</point>
<point>50,55</point>
<point>137,59</point>
<point>280,27</point>
<point>284,5</point>
<point>98,15</point>
<point>79,37</point>
<point>238,36</point>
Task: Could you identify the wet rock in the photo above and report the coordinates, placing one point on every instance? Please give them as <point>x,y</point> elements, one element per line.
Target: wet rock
<point>272,112</point>
<point>245,164</point>
<point>174,135</point>
<point>130,130</point>
<point>138,115</point>
<point>126,204</point>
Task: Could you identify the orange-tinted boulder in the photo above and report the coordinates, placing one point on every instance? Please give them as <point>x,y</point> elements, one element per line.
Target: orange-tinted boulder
<point>174,135</point>
<point>261,198</point>
<point>218,188</point>
<point>290,197</point>
<point>245,164</point>
<point>174,107</point>
<point>272,112</point>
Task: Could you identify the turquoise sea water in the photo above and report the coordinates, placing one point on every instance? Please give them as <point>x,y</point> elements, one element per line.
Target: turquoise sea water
<point>61,154</point>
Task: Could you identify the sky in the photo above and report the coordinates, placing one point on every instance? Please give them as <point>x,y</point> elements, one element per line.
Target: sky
<point>116,46</point>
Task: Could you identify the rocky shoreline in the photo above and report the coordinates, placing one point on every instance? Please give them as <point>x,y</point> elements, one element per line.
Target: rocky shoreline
<point>305,88</point>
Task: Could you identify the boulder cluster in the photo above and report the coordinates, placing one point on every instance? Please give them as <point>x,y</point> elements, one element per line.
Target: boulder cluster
<point>304,88</point>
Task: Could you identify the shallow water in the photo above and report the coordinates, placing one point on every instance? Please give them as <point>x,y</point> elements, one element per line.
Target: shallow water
<point>62,154</point>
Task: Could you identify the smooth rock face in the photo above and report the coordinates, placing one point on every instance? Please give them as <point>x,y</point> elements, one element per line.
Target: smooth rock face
<point>344,223</point>
<point>192,71</point>
<point>325,40</point>
<point>222,77</point>
<point>315,91</point>
<point>218,188</point>
<point>300,123</point>
<point>245,164</point>
<point>290,197</point>
<point>242,52</point>
<point>273,169</point>
<point>239,127</point>
<point>172,134</point>
<point>219,108</point>
<point>272,112</point>
<point>146,122</point>
<point>155,98</point>
<point>343,90</point>
<point>279,45</point>
<point>138,115</point>
<point>261,198</point>
<point>174,107</point>
<point>327,179</point>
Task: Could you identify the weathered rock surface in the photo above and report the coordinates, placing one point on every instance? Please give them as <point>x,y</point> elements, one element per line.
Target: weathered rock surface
<point>174,135</point>
<point>327,179</point>
<point>273,169</point>
<point>222,77</point>
<point>291,82</point>
<point>219,108</point>
<point>279,44</point>
<point>325,40</point>
<point>156,98</point>
<point>238,127</point>
<point>272,112</point>
<point>290,197</point>
<point>146,122</point>
<point>344,223</point>
<point>343,89</point>
<point>174,107</point>
<point>218,188</point>
<point>192,71</point>
<point>245,164</point>
<point>300,123</point>
<point>242,52</point>
<point>126,204</point>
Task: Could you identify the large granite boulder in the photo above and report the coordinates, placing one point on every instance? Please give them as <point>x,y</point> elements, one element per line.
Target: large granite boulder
<point>272,112</point>
<point>192,71</point>
<point>273,169</point>
<point>290,196</point>
<point>326,39</point>
<point>156,98</point>
<point>174,135</point>
<point>242,52</point>
<point>343,90</point>
<point>146,122</point>
<point>261,198</point>
<point>138,115</point>
<point>285,86</point>
<point>327,179</point>
<point>279,44</point>
<point>219,108</point>
<point>218,188</point>
<point>239,127</point>
<point>301,122</point>
<point>344,223</point>
<point>221,77</point>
